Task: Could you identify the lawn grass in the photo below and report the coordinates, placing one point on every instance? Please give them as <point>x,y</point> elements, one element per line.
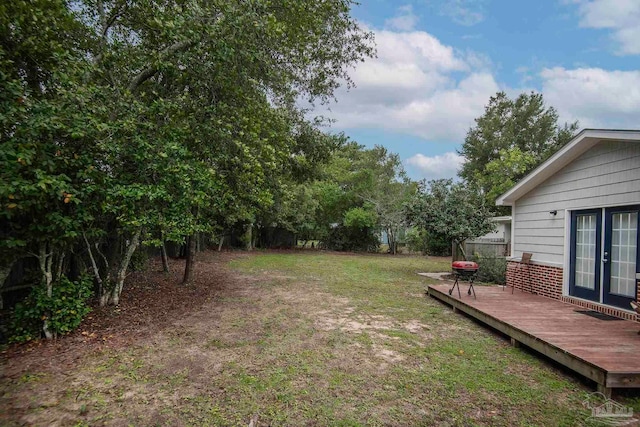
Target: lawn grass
<point>313,338</point>
<point>452,371</point>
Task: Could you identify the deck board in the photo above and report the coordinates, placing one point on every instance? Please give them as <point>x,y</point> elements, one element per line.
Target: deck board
<point>606,351</point>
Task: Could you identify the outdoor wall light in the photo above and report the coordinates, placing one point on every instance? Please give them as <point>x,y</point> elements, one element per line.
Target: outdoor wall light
<point>554,213</point>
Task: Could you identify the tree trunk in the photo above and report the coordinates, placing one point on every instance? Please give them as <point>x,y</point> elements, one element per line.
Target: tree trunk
<point>391,239</point>
<point>122,270</point>
<point>96,272</point>
<point>5,271</point>
<point>461,247</point>
<point>46,261</point>
<point>165,258</point>
<point>60,266</point>
<point>191,259</point>
<point>104,297</point>
<point>221,243</point>
<point>255,235</point>
<point>249,237</point>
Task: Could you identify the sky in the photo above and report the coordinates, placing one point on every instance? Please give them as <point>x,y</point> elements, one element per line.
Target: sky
<point>439,61</point>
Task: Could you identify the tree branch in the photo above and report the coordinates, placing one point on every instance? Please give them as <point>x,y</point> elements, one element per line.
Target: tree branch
<point>96,270</point>
<point>149,72</point>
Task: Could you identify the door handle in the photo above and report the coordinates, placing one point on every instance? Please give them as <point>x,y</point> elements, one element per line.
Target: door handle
<point>604,257</point>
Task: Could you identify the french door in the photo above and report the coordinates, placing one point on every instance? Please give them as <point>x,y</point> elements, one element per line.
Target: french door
<point>586,237</point>
<point>620,258</point>
<point>605,260</point>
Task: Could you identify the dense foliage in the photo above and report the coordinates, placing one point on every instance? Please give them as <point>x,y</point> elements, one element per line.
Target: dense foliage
<point>426,243</point>
<point>452,210</point>
<point>361,193</point>
<point>352,239</point>
<point>64,309</point>
<point>509,140</point>
<point>136,123</point>
<point>493,269</point>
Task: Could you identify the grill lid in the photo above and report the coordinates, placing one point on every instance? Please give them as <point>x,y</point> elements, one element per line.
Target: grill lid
<point>464,265</point>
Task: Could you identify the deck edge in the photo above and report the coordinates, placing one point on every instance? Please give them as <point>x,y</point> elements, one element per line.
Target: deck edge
<point>573,362</point>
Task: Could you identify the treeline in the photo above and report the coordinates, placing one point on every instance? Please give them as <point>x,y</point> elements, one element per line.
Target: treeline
<point>138,123</point>
<point>152,124</point>
<point>355,196</point>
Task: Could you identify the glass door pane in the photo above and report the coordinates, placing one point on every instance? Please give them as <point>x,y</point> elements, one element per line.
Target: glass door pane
<point>585,260</point>
<point>620,258</point>
<point>586,236</point>
<point>624,233</point>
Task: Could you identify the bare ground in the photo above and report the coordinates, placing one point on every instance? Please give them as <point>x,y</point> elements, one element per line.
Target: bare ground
<point>166,342</point>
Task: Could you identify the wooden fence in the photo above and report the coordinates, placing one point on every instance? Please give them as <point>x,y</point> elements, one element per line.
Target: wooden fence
<point>492,248</point>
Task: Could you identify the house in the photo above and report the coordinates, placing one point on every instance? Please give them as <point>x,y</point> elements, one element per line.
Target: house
<point>497,243</point>
<point>502,232</point>
<point>577,213</point>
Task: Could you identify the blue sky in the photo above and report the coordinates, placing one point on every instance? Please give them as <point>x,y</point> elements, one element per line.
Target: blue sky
<point>439,61</point>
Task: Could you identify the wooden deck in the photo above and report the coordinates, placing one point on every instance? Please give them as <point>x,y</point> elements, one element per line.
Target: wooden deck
<point>606,351</point>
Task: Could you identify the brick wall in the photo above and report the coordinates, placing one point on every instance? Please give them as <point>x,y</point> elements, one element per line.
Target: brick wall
<point>537,279</point>
<point>606,309</point>
<point>547,281</point>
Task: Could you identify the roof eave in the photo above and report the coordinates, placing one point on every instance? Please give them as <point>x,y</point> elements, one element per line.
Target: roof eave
<point>584,140</point>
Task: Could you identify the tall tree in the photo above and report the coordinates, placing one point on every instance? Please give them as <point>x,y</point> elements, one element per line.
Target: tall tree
<point>42,112</point>
<point>362,189</point>
<point>235,70</point>
<point>385,187</point>
<point>453,210</point>
<point>295,203</point>
<point>123,121</point>
<point>509,140</point>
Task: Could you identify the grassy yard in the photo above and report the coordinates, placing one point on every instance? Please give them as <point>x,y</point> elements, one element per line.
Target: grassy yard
<point>305,338</point>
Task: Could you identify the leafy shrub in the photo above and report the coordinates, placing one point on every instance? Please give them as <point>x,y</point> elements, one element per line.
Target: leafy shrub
<point>438,245</point>
<point>360,218</point>
<point>416,241</point>
<point>66,307</point>
<point>354,239</point>
<point>492,269</point>
<point>419,240</point>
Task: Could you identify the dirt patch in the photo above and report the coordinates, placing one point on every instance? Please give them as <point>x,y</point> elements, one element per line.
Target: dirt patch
<point>151,301</point>
<point>345,320</point>
<point>327,321</point>
<point>387,354</point>
<point>415,327</point>
<point>277,344</point>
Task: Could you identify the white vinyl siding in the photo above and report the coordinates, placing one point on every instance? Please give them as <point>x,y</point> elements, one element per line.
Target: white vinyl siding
<point>606,175</point>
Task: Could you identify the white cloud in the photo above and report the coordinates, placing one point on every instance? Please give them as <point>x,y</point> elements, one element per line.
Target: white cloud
<point>620,16</point>
<point>417,47</point>
<point>417,85</point>
<point>595,97</point>
<point>405,19</point>
<point>464,12</point>
<point>435,167</point>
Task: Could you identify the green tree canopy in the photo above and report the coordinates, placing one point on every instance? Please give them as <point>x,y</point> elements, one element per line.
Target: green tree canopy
<point>452,210</point>
<point>509,140</point>
<point>132,122</point>
<point>369,185</point>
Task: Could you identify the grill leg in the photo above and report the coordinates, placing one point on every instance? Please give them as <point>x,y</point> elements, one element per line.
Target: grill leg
<point>454,286</point>
<point>471,288</point>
